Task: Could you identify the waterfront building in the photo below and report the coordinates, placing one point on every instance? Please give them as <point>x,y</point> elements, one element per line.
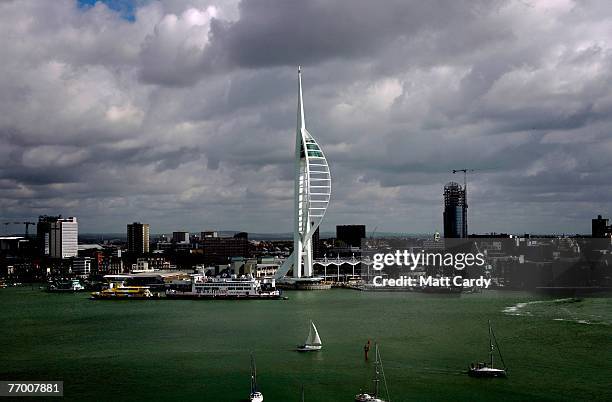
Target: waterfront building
<point>256,267</point>
<point>455,211</point>
<point>146,264</point>
<point>312,192</point>
<point>219,250</point>
<point>265,270</point>
<point>350,235</point>
<point>600,228</point>
<point>113,250</point>
<point>111,264</point>
<point>12,243</point>
<point>142,265</point>
<point>138,238</point>
<point>57,237</point>
<point>164,245</point>
<point>81,266</point>
<point>94,251</point>
<point>180,237</point>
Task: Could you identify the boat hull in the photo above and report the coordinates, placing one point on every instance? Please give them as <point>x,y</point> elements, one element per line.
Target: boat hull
<point>52,290</point>
<point>256,397</point>
<point>367,398</point>
<point>196,296</point>
<point>487,373</point>
<point>308,348</point>
<point>123,297</point>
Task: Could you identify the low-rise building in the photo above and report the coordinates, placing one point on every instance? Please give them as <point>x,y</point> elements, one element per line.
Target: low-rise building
<point>81,266</point>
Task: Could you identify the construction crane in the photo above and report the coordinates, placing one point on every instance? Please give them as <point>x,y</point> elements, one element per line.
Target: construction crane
<point>465,172</point>
<point>465,194</point>
<point>27,227</point>
<point>26,223</point>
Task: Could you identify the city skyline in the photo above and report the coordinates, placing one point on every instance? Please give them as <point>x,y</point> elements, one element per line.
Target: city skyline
<point>181,114</point>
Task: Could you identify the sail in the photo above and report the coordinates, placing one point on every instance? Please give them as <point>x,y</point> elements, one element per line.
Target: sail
<point>310,337</point>
<point>313,336</point>
<point>317,338</point>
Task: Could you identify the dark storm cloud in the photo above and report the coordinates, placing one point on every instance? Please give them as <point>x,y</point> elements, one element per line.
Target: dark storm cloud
<point>295,32</point>
<point>185,116</point>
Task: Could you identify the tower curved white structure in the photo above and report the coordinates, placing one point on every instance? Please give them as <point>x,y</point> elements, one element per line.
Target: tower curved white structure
<point>312,194</point>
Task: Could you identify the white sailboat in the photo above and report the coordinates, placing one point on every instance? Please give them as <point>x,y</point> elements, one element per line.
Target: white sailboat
<point>487,370</point>
<point>378,373</point>
<point>313,342</point>
<point>255,395</point>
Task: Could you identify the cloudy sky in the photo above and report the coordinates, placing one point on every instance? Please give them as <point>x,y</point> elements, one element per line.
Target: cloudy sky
<point>182,113</point>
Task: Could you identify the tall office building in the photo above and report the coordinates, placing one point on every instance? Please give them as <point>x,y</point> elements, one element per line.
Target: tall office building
<point>350,235</point>
<point>317,251</point>
<point>600,228</point>
<point>43,232</point>
<point>220,250</point>
<point>312,192</point>
<point>455,211</point>
<point>57,237</point>
<point>138,238</point>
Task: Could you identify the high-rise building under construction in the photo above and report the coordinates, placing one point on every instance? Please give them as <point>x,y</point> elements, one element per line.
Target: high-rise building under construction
<point>455,211</point>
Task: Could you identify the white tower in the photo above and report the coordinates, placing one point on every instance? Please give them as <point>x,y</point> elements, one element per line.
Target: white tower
<point>312,193</point>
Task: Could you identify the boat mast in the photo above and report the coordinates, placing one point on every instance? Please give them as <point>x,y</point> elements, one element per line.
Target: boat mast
<point>498,349</point>
<point>490,344</point>
<point>377,373</point>
<point>253,376</point>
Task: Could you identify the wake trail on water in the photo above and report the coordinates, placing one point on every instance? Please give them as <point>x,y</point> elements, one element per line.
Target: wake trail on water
<point>556,309</point>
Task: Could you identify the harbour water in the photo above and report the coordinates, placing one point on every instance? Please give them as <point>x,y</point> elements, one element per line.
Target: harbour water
<point>200,350</point>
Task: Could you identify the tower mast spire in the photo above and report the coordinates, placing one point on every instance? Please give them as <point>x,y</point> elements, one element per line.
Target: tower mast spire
<point>301,119</point>
<point>311,195</point>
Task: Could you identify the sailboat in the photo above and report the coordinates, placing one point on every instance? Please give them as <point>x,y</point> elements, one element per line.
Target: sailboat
<point>313,342</point>
<point>378,373</point>
<point>487,369</point>
<point>255,395</point>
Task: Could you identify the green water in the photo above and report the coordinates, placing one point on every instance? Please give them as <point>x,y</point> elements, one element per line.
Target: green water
<point>199,350</point>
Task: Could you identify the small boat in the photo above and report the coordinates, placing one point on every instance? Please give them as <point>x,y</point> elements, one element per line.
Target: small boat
<point>255,395</point>
<point>487,370</point>
<point>378,373</point>
<point>122,292</point>
<point>65,285</point>
<point>313,342</point>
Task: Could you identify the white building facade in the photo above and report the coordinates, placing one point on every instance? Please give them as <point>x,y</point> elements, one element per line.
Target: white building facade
<point>81,266</point>
<point>62,239</point>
